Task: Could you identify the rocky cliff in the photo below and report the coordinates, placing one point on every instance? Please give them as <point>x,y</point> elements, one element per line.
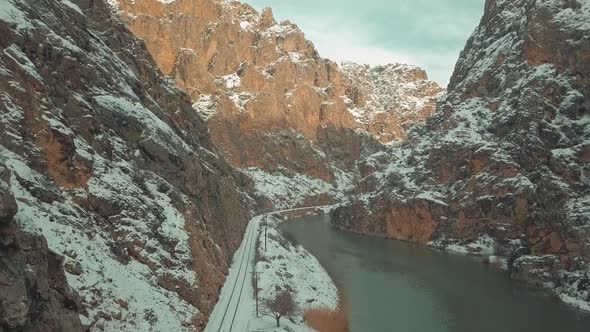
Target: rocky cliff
<point>271,102</point>
<point>109,180</point>
<point>34,294</point>
<point>389,99</point>
<point>502,166</point>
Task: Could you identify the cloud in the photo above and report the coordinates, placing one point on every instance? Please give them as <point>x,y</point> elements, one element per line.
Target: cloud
<point>426,33</point>
<point>340,43</point>
<point>348,43</point>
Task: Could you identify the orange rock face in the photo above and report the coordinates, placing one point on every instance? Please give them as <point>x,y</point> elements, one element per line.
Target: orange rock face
<point>268,96</point>
<point>260,78</point>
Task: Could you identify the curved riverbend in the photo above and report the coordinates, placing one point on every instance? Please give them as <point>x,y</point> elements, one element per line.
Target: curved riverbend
<point>402,287</point>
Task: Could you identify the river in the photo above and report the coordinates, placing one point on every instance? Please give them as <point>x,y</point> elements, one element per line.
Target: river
<point>402,287</point>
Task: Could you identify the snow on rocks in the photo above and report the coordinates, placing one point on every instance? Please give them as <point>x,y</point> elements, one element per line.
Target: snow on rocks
<point>232,81</point>
<point>10,13</point>
<point>576,291</point>
<point>241,100</point>
<point>282,29</point>
<point>115,3</point>
<point>484,245</point>
<point>295,56</point>
<point>206,107</point>
<point>156,129</point>
<point>19,58</point>
<point>287,190</point>
<point>578,20</point>
<point>571,286</point>
<point>244,25</point>
<point>399,91</point>
<point>107,160</point>
<point>505,149</point>
<point>124,293</point>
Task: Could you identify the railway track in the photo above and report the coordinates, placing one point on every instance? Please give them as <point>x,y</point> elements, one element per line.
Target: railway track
<point>225,317</point>
<point>242,270</point>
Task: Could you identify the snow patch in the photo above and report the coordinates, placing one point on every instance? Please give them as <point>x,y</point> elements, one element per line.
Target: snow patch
<point>245,24</point>
<point>205,106</point>
<point>232,81</point>
<point>484,245</point>
<point>288,191</point>
<point>11,14</point>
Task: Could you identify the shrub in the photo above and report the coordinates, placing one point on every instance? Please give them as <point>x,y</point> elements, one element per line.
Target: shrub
<point>326,320</point>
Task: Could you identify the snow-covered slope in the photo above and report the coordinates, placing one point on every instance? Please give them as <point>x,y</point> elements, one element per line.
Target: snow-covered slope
<point>286,190</point>
<point>505,158</point>
<point>283,265</point>
<point>114,168</point>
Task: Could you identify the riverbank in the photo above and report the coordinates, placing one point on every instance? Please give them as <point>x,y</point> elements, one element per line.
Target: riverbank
<point>279,265</point>
<point>420,289</point>
<point>282,265</point>
<point>544,272</point>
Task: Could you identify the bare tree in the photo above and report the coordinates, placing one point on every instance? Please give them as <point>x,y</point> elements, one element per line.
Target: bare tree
<point>283,305</point>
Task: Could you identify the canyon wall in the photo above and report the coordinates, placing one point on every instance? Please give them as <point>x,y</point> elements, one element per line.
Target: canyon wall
<point>389,99</point>
<point>34,294</point>
<point>109,180</point>
<point>502,166</point>
<point>271,102</point>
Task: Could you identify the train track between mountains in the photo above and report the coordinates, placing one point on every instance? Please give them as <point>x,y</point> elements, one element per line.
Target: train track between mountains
<point>232,313</point>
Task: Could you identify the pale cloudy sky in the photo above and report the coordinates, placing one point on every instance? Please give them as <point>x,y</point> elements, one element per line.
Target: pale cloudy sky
<point>427,33</point>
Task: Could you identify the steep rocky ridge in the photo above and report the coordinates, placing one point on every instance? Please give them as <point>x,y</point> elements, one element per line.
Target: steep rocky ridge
<point>114,177</point>
<point>34,294</point>
<point>271,102</point>
<point>389,99</point>
<point>502,166</point>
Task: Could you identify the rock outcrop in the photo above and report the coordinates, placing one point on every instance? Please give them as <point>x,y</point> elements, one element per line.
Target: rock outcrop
<point>389,99</point>
<point>502,166</point>
<point>113,178</point>
<point>34,294</point>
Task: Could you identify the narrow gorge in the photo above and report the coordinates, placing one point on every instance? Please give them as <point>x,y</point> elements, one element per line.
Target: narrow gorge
<point>149,147</point>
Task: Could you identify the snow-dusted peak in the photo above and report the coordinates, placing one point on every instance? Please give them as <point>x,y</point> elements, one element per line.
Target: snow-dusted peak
<point>394,95</point>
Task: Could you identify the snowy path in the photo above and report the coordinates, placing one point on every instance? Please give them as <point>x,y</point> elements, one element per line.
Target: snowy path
<point>236,306</point>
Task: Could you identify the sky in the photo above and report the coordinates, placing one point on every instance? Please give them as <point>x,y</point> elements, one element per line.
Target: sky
<point>426,33</point>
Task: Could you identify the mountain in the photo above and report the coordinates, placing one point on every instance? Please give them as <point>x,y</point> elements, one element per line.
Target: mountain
<point>115,194</point>
<point>138,137</point>
<point>502,167</point>
<point>272,104</point>
<point>109,173</point>
<point>269,99</point>
<point>389,99</point>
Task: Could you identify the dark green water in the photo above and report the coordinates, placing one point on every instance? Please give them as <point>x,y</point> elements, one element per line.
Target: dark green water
<point>400,287</point>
